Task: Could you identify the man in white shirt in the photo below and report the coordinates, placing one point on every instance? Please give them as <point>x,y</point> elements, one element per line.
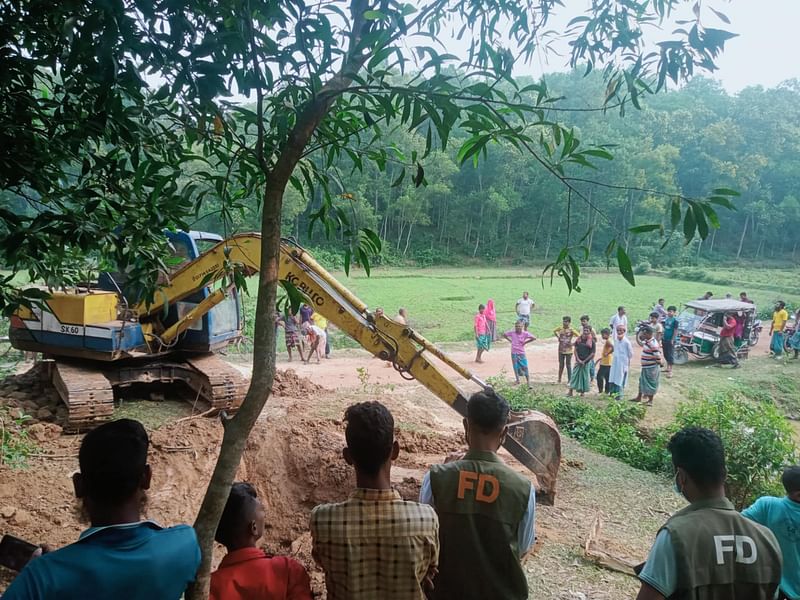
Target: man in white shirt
<point>619,320</point>
<point>524,307</point>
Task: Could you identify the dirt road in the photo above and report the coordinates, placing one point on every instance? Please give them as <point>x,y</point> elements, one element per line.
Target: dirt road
<point>352,368</point>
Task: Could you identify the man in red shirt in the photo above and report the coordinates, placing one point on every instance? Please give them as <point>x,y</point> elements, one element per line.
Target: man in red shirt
<point>247,572</point>
<point>727,346</point>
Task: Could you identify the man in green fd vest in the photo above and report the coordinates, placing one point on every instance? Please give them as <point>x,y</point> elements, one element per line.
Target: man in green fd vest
<point>486,512</point>
<point>708,551</point>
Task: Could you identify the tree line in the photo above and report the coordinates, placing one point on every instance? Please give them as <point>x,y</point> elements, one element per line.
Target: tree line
<point>685,142</point>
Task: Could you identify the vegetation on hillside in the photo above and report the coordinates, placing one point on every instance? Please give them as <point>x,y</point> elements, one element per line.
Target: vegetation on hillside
<point>687,142</point>
<point>757,438</point>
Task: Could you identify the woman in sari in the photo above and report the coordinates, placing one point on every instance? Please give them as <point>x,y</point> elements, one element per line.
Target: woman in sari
<point>584,353</point>
<point>491,319</point>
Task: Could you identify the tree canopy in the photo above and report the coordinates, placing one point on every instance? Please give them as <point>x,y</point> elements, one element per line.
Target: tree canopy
<point>104,103</point>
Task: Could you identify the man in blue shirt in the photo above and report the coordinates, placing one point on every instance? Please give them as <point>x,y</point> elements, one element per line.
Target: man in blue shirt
<point>782,517</point>
<point>119,556</point>
<point>668,338</point>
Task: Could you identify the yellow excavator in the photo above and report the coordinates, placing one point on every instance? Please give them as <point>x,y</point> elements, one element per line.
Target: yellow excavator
<point>98,341</point>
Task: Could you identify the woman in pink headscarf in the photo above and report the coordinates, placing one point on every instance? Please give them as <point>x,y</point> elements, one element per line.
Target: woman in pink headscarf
<point>491,319</point>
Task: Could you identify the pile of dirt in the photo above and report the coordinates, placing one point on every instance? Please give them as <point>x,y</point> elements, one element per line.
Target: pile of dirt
<point>290,385</point>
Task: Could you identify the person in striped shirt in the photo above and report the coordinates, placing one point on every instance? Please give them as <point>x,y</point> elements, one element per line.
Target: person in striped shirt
<point>651,367</point>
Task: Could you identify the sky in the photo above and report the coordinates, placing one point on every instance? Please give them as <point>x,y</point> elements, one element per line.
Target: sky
<point>766,51</point>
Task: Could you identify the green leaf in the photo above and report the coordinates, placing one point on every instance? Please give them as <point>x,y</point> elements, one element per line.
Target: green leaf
<point>675,213</point>
<point>624,264</point>
<point>374,15</point>
<point>295,296</point>
<point>689,224</point>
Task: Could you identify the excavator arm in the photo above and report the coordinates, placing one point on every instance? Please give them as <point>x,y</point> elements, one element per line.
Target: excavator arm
<point>533,438</point>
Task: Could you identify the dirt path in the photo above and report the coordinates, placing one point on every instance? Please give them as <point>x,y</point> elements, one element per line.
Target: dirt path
<point>346,368</point>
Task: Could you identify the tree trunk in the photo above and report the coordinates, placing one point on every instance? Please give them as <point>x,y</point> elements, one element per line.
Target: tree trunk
<point>237,429</point>
<point>741,239</point>
<point>713,238</point>
<point>536,233</point>
<point>408,238</point>
<point>508,234</point>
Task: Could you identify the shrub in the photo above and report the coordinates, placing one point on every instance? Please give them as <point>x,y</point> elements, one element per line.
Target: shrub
<point>15,445</point>
<point>428,257</point>
<point>642,268</point>
<point>758,442</point>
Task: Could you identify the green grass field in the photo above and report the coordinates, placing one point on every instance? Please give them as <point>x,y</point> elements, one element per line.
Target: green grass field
<point>442,301</point>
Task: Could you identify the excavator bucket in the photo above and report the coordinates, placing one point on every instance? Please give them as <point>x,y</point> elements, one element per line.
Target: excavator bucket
<point>533,439</point>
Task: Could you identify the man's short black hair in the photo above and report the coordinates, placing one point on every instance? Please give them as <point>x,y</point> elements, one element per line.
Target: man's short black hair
<point>672,308</point>
<point>568,319</point>
<point>238,512</point>
<point>700,453</point>
<point>370,435</point>
<point>584,317</point>
<point>619,308</point>
<point>112,460</point>
<point>791,479</point>
<point>646,329</point>
<point>488,411</point>
<point>605,331</point>
<point>654,314</point>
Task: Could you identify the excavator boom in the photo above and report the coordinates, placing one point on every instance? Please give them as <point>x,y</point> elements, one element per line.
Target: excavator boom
<point>533,439</point>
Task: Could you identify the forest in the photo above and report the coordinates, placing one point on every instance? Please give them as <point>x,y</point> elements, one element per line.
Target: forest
<point>507,207</point>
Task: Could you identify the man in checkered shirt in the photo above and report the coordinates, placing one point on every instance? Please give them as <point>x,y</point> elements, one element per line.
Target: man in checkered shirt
<point>374,545</point>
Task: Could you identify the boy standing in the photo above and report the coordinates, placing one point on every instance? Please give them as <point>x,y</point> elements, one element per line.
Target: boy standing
<point>524,307</point>
<point>668,339</point>
<point>486,510</point>
<point>565,335</point>
<point>782,517</point>
<point>656,326</point>
<point>374,544</point>
<point>606,357</point>
<point>120,555</point>
<point>482,338</point>
<point>623,353</point>
<point>651,368</point>
<point>779,318</point>
<point>519,338</point>
<point>247,571</point>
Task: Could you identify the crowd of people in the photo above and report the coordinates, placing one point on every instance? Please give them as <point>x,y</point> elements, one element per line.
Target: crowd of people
<point>587,356</point>
<point>464,539</point>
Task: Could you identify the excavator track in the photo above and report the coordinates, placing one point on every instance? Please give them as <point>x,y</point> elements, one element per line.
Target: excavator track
<point>225,387</point>
<point>86,391</point>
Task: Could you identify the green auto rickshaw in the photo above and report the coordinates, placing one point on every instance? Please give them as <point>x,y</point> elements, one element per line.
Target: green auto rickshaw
<point>700,323</point>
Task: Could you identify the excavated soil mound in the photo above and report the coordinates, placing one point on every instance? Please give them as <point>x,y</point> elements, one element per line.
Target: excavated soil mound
<point>31,394</point>
<point>290,385</point>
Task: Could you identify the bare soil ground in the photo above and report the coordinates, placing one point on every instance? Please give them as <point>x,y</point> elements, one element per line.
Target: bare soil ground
<point>293,458</point>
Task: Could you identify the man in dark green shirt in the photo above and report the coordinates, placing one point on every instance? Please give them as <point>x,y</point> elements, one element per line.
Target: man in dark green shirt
<point>486,512</point>
<point>708,551</point>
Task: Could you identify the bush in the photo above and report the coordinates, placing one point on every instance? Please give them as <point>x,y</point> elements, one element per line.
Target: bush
<point>758,442</point>
<point>429,257</point>
<point>15,445</point>
<point>642,268</point>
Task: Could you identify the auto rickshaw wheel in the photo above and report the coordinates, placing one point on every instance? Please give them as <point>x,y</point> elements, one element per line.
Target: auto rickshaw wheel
<point>715,351</point>
<point>680,356</point>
